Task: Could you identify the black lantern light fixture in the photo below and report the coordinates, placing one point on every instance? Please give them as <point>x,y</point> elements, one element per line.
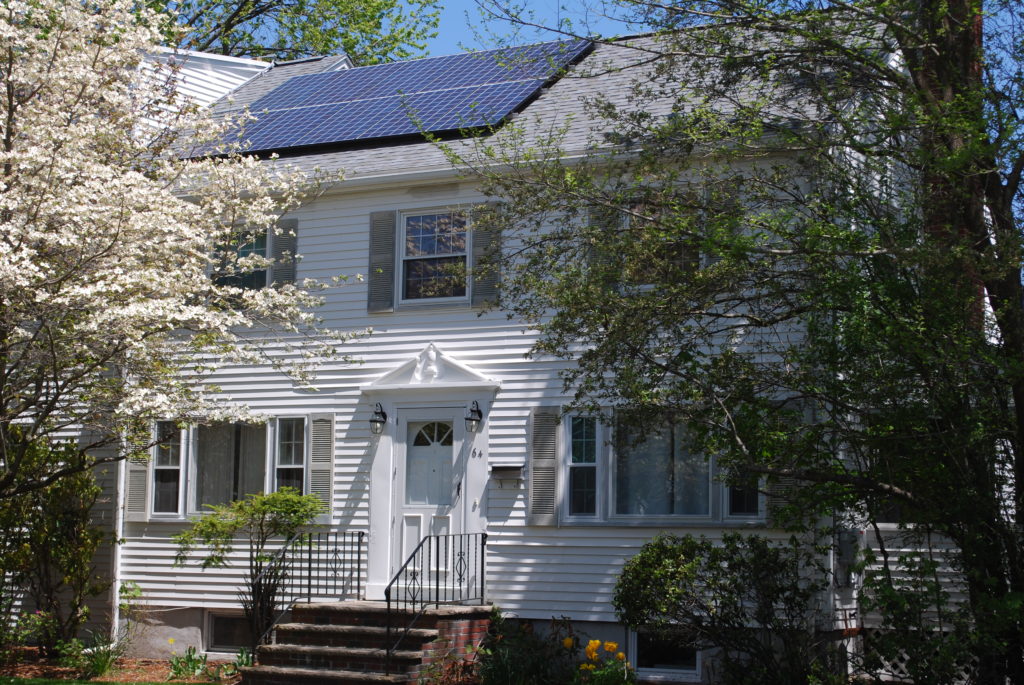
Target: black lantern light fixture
<point>473,417</point>
<point>378,419</point>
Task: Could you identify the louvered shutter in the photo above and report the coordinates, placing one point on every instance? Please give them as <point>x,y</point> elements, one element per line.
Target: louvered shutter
<point>381,276</point>
<point>136,498</point>
<point>542,509</point>
<point>779,493</point>
<point>321,462</point>
<point>283,243</point>
<point>486,245</point>
<point>599,261</point>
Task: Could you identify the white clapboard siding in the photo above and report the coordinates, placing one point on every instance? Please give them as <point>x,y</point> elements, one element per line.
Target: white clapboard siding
<point>203,78</point>
<point>898,544</point>
<point>532,571</point>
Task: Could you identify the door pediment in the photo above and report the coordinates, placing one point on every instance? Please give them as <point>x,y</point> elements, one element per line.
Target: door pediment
<point>431,370</point>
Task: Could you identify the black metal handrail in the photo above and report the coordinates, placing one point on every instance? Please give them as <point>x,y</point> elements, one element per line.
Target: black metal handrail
<point>443,569</point>
<point>315,565</point>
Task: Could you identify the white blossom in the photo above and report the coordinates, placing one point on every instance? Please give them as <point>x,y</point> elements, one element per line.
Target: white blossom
<point>109,232</point>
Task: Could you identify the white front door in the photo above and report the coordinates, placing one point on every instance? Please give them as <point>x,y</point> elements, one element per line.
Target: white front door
<point>429,476</point>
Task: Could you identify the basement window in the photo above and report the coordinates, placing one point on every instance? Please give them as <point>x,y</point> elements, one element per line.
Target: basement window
<point>228,633</point>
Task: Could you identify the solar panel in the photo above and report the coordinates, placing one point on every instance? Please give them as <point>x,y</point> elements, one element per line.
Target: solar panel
<point>438,94</point>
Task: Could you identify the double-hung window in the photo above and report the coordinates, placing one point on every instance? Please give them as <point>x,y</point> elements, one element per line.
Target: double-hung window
<point>256,259</point>
<point>434,256</point>
<point>290,455</point>
<point>583,466</point>
<point>430,257</point>
<point>245,248</point>
<point>167,469</point>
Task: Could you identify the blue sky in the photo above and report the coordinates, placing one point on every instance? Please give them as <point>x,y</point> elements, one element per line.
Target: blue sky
<point>457,32</point>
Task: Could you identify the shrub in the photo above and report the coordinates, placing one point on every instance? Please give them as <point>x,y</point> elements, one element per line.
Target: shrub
<point>260,518</point>
<point>514,654</point>
<point>58,577</point>
<point>754,600</point>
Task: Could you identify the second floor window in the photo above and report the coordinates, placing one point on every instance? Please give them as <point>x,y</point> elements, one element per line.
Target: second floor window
<point>434,253</point>
<point>245,245</point>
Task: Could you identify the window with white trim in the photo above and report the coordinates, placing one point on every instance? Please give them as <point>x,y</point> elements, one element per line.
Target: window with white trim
<point>230,462</point>
<point>658,475</point>
<point>434,250</point>
<point>659,658</point>
<point>621,476</point>
<point>167,461</point>
<point>194,467</point>
<point>270,253</point>
<point>290,455</point>
<point>243,246</point>
<point>583,466</point>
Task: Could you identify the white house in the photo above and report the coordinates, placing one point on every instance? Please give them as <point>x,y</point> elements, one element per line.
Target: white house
<point>561,511</point>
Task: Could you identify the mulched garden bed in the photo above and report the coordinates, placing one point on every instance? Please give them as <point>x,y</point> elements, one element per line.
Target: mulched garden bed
<point>30,665</point>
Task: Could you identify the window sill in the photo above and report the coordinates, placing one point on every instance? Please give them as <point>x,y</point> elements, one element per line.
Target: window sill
<point>664,522</point>
<point>412,305</point>
<point>655,676</point>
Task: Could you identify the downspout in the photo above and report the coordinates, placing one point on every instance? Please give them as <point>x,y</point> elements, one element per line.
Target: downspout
<point>115,585</point>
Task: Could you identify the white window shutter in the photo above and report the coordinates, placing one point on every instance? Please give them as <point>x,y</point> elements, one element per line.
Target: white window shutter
<point>283,243</point>
<point>136,498</point>
<point>542,506</point>
<point>321,462</point>
<point>381,276</point>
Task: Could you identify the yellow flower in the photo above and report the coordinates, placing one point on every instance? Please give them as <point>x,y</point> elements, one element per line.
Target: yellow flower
<point>611,646</point>
<point>587,667</point>
<point>591,649</point>
<point>567,642</point>
<point>170,640</point>
<point>620,656</point>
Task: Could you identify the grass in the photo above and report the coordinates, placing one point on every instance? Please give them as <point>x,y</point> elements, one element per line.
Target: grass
<point>49,681</point>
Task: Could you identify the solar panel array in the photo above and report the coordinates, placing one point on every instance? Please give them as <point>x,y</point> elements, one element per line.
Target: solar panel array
<point>437,95</point>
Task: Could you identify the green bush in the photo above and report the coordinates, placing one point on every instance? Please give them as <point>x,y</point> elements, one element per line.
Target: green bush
<point>752,599</point>
<point>261,518</point>
<point>57,578</point>
<point>514,654</point>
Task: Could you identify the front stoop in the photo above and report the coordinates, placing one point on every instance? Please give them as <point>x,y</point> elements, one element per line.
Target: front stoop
<point>344,644</point>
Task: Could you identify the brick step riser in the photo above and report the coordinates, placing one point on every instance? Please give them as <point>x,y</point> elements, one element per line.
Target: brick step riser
<point>344,663</point>
<point>355,618</point>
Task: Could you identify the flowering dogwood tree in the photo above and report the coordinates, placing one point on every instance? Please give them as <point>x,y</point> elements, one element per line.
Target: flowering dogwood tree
<point>109,233</point>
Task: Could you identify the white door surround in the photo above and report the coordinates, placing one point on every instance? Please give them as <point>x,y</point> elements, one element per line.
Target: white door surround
<point>441,489</point>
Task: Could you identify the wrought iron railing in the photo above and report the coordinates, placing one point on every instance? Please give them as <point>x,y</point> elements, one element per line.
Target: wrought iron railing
<point>443,569</point>
<point>323,565</point>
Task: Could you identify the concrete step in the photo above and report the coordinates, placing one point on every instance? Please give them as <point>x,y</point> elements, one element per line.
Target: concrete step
<point>280,675</point>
